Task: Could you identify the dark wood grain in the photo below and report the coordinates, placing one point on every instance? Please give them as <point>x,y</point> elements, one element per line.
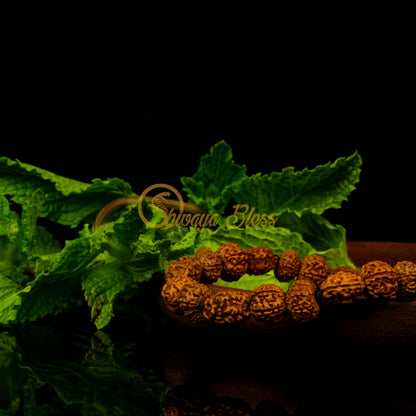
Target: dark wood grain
<point>361,252</point>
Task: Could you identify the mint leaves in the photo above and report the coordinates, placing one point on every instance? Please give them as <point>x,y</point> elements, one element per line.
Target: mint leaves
<point>213,185</point>
<point>37,276</point>
<point>297,198</point>
<point>219,180</point>
<point>67,201</point>
<point>104,265</point>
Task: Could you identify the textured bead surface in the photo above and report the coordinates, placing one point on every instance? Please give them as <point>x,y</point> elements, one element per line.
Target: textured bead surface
<point>314,267</point>
<point>260,260</point>
<point>226,307</point>
<point>234,261</point>
<point>288,266</point>
<point>301,302</point>
<point>268,303</point>
<point>171,291</point>
<point>184,267</point>
<point>191,297</point>
<point>406,276</point>
<point>380,280</point>
<point>342,287</point>
<point>211,264</point>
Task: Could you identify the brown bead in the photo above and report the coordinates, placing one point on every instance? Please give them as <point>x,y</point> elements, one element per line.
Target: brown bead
<point>185,266</point>
<point>268,303</point>
<point>227,307</point>
<point>191,297</point>
<point>301,302</point>
<point>344,269</point>
<point>314,267</point>
<point>234,261</point>
<point>211,264</point>
<point>406,275</point>
<point>380,280</point>
<point>342,287</point>
<point>288,266</point>
<point>172,289</point>
<point>260,260</point>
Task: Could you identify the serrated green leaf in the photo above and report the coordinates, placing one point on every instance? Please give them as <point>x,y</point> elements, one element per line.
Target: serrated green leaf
<point>51,289</point>
<point>101,285</point>
<point>67,201</point>
<point>219,180</point>
<point>105,282</point>
<point>309,190</point>
<point>211,186</point>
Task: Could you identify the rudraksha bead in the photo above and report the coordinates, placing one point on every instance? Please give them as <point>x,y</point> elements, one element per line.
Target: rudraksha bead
<point>342,287</point>
<point>314,267</point>
<point>226,307</point>
<point>211,264</point>
<point>268,303</point>
<point>185,266</point>
<point>380,280</point>
<point>301,302</point>
<point>260,260</point>
<point>234,261</point>
<point>288,267</point>
<point>406,275</point>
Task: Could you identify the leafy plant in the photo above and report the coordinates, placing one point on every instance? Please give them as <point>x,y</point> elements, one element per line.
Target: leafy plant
<point>110,262</point>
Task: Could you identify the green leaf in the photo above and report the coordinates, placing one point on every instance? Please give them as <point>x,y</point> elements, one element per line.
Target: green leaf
<point>10,300</point>
<point>9,220</point>
<point>105,282</point>
<point>43,242</point>
<point>278,239</point>
<point>30,212</point>
<point>128,227</point>
<point>50,291</point>
<point>67,201</point>
<point>211,186</point>
<point>10,240</point>
<point>309,190</point>
<point>218,180</point>
<point>320,234</point>
<point>101,285</point>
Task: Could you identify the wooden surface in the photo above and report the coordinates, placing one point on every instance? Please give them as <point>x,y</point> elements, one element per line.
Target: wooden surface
<point>361,252</point>
<point>354,359</point>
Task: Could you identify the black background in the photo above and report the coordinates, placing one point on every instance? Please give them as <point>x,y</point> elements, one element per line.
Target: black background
<point>86,133</point>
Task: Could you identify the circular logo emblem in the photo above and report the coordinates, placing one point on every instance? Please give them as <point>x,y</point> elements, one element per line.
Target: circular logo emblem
<point>160,201</point>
